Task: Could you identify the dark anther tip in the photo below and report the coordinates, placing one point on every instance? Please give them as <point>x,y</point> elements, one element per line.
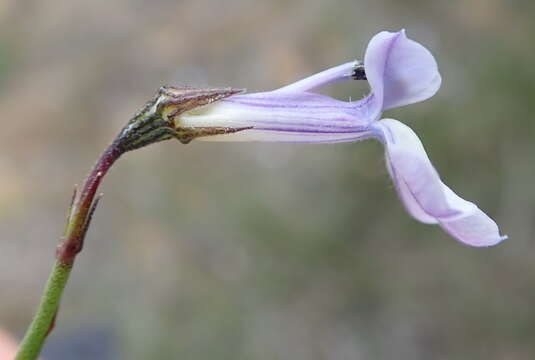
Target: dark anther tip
<point>359,72</point>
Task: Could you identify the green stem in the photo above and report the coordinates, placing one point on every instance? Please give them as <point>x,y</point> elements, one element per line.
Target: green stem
<point>44,318</point>
<point>150,125</point>
<point>78,220</point>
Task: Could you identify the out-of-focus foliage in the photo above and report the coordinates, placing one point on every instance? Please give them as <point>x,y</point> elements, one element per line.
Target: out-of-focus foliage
<point>261,251</point>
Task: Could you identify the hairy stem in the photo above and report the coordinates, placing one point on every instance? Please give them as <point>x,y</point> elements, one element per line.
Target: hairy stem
<point>78,220</point>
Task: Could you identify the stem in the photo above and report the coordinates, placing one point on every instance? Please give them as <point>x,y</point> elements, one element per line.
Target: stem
<point>78,220</point>
<point>150,125</point>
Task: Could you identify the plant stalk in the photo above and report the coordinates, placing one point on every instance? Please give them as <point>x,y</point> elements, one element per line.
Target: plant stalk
<point>155,122</point>
<point>78,220</point>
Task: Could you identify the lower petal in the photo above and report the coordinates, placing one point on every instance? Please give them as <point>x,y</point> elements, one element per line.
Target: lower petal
<point>423,193</point>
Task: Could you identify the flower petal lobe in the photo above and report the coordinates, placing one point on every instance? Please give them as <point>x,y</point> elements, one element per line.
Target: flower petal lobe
<point>400,71</point>
<point>423,193</point>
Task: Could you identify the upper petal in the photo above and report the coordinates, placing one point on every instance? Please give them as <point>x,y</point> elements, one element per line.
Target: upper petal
<point>330,76</point>
<point>424,195</point>
<point>400,71</point>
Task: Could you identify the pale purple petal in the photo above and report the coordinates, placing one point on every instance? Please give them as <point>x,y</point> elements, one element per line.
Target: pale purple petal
<point>400,71</point>
<point>424,195</point>
<point>282,116</point>
<point>290,137</point>
<point>330,76</point>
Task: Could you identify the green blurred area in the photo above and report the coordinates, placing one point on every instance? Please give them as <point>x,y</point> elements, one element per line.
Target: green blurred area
<point>262,251</point>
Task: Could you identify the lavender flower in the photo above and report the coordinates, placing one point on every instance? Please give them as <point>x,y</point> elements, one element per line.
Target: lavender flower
<point>400,71</point>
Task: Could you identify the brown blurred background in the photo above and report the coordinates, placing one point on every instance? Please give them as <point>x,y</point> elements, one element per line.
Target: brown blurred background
<point>262,251</point>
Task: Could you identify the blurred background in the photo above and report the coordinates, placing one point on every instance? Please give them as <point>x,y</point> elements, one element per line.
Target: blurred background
<point>264,251</point>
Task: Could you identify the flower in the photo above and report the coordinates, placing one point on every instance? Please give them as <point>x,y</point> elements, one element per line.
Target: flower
<point>400,71</point>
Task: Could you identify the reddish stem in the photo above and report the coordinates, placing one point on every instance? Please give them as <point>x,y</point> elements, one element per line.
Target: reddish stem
<point>84,205</point>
